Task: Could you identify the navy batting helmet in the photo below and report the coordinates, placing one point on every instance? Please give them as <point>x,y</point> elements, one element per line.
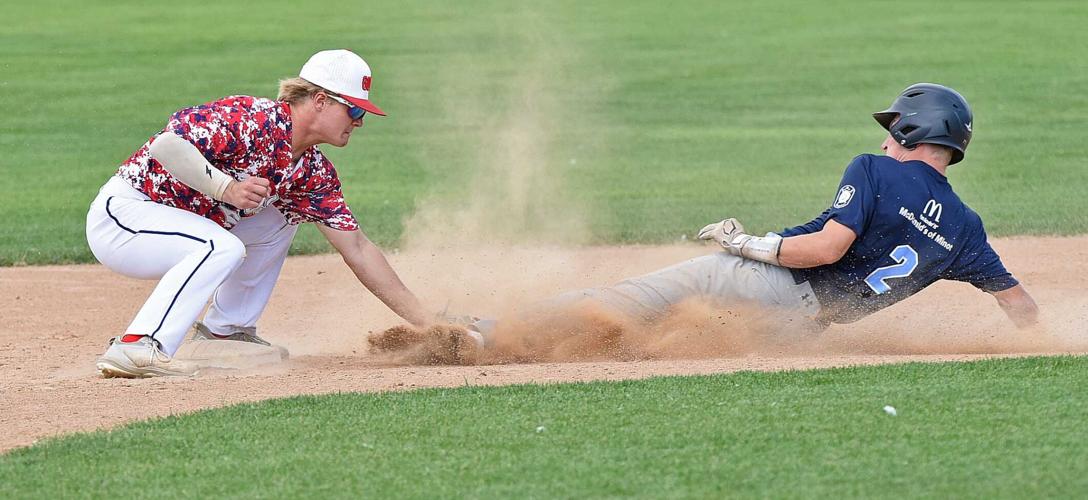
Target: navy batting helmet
<point>932,114</point>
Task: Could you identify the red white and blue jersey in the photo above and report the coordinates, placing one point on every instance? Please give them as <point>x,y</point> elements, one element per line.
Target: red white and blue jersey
<point>245,136</point>
<point>912,230</point>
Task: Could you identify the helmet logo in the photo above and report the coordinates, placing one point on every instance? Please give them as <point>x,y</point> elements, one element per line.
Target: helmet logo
<point>968,125</point>
<point>366,83</point>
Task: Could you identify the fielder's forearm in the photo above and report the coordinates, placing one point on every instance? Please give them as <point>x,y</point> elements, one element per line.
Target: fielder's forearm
<point>184,161</point>
<point>378,276</point>
<point>372,269</point>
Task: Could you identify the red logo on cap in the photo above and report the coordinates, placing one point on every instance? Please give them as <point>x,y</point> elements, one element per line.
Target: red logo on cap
<point>366,83</point>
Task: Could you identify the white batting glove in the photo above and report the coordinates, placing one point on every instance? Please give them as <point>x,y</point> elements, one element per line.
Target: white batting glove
<point>730,234</point>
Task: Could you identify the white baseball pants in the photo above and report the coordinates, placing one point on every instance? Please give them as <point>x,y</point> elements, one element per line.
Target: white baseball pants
<point>191,257</point>
<point>240,300</point>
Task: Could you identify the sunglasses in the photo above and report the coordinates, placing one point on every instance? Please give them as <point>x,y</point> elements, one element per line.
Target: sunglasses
<point>354,112</point>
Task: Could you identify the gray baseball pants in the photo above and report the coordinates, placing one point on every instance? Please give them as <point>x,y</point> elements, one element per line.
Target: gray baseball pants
<point>721,278</point>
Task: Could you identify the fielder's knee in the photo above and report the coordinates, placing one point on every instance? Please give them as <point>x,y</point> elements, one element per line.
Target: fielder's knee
<point>229,250</point>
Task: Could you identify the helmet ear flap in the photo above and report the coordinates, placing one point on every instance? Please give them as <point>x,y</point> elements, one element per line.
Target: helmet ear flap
<point>909,135</point>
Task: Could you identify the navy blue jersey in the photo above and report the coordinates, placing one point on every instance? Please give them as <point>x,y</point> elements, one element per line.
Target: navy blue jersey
<point>912,230</point>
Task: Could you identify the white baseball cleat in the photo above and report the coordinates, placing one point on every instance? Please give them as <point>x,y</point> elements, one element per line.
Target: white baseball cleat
<point>141,359</point>
<point>240,334</point>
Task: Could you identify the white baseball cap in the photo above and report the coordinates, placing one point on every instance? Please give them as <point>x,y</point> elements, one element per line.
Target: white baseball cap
<point>343,72</point>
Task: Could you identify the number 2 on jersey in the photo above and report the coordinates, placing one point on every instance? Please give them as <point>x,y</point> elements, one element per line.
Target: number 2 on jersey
<point>907,260</point>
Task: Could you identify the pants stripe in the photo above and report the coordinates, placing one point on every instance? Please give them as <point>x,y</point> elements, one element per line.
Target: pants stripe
<point>165,233</point>
<point>176,295</point>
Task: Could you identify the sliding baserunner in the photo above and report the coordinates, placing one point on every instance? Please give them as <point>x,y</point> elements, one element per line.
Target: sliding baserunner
<point>894,227</point>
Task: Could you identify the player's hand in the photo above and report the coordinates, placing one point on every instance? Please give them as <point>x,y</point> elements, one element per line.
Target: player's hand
<point>247,193</point>
<point>477,328</point>
<point>728,233</point>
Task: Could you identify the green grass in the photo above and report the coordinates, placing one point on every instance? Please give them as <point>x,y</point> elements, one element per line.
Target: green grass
<point>1007,429</point>
<point>675,114</point>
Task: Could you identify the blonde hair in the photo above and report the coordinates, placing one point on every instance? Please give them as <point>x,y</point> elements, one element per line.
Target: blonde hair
<point>294,90</point>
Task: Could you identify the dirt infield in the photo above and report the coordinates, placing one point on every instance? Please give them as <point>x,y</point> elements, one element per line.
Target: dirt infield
<point>56,320</point>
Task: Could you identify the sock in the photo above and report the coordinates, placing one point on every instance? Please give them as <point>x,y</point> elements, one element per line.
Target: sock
<point>129,338</point>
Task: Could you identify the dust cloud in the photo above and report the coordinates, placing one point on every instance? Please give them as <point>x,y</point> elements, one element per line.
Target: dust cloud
<point>512,190</point>
<point>585,331</point>
<point>698,329</point>
<point>496,229</point>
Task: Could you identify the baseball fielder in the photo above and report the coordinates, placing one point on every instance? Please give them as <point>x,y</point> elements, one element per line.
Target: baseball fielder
<point>209,206</point>
<point>894,227</point>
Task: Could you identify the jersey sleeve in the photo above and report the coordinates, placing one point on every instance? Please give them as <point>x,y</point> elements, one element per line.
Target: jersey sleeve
<point>855,201</point>
<point>980,266</point>
<point>812,226</point>
<point>221,133</point>
<point>319,199</point>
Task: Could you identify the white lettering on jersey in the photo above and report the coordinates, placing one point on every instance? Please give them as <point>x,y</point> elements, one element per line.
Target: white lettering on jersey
<point>933,210</point>
<point>921,227</point>
<point>931,214</point>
